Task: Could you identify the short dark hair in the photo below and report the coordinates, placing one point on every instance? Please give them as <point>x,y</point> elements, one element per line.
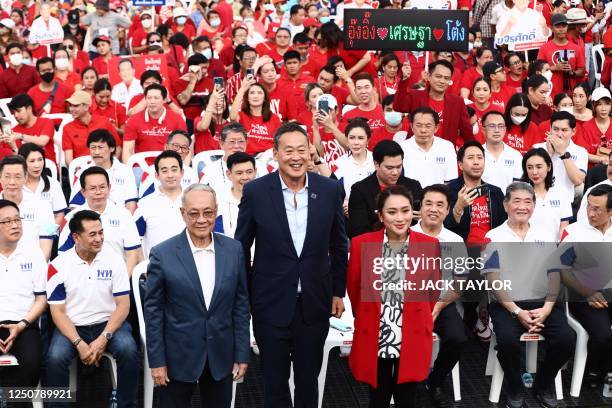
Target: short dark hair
<point>14,159</point>
<point>101,135</point>
<point>102,84</point>
<point>295,9</point>
<point>232,127</point>
<point>397,189</point>
<point>491,113</point>
<point>239,157</point>
<point>291,54</point>
<point>288,127</point>
<point>168,154</point>
<point>387,100</point>
<point>386,148</point>
<point>13,45</point>
<point>235,30</point>
<point>363,75</point>
<point>150,73</point>
<point>8,203</point>
<point>301,38</point>
<point>76,222</point>
<point>562,115</point>
<point>20,101</point>
<point>44,60</point>
<point>432,67</point>
<point>197,59</point>
<point>158,87</point>
<point>124,60</point>
<point>361,123</point>
<point>90,171</point>
<point>245,48</point>
<point>509,56</point>
<point>462,149</point>
<point>425,110</point>
<point>330,70</point>
<point>602,190</point>
<point>178,132</point>
<point>437,188</point>
<point>534,82</point>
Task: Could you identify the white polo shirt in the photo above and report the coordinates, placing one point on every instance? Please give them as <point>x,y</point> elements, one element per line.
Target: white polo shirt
<point>350,172</point>
<point>580,157</point>
<point>88,291</point>
<point>503,171</point>
<point>151,184</point>
<point>120,233</point>
<point>23,276</point>
<point>523,262</point>
<point>38,220</point>
<point>582,212</point>
<point>435,166</point>
<point>54,195</point>
<point>551,210</point>
<point>157,219</point>
<point>227,215</point>
<point>122,184</point>
<point>582,231</point>
<point>216,177</point>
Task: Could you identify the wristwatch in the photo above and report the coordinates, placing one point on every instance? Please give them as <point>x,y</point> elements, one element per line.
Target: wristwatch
<point>565,156</point>
<point>318,162</point>
<point>77,341</point>
<point>107,335</point>
<point>26,322</point>
<point>516,312</point>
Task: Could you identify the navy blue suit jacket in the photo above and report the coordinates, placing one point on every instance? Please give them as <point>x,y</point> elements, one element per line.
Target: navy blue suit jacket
<point>182,332</point>
<point>321,267</point>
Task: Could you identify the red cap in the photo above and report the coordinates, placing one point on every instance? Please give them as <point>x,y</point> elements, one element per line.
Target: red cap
<point>308,22</point>
<point>101,38</point>
<point>272,28</point>
<point>17,5</point>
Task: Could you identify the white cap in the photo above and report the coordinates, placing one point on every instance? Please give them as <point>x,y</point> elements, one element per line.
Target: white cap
<point>599,93</point>
<point>178,12</point>
<point>331,101</point>
<point>8,23</point>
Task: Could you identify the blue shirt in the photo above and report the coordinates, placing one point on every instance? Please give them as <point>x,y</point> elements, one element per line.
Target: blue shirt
<point>296,206</point>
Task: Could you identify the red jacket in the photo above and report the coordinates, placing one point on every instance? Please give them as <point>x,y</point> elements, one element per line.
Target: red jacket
<point>456,118</point>
<point>417,324</point>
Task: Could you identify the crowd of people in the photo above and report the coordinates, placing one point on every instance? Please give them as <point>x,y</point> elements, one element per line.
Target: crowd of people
<point>315,161</point>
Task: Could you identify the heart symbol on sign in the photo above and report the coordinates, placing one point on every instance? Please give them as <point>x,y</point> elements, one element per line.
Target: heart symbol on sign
<point>382,33</point>
<point>438,33</point>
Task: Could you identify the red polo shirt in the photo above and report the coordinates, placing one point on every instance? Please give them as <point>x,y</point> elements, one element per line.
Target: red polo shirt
<point>195,105</point>
<point>113,111</point>
<point>150,134</point>
<point>41,127</point>
<point>58,105</point>
<point>13,83</point>
<point>260,134</point>
<point>76,132</point>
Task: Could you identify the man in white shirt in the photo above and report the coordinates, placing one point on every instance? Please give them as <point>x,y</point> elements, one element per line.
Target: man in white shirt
<point>102,146</point>
<point>448,324</point>
<point>582,213</point>
<point>570,161</point>
<point>158,216</point>
<point>240,170</point>
<point>122,237</point>
<point>232,139</point>
<point>22,300</point>
<point>297,14</point>
<point>39,228</point>
<point>428,158</point>
<point>524,290</point>
<point>502,162</point>
<point>88,292</point>
<point>129,86</point>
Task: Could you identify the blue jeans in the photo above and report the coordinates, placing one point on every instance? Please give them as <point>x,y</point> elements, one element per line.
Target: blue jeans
<point>122,347</point>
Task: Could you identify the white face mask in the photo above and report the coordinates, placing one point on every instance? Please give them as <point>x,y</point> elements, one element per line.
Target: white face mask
<point>207,53</point>
<point>393,118</point>
<point>548,75</point>
<point>269,7</point>
<point>61,63</point>
<point>517,120</point>
<point>215,23</point>
<point>147,23</point>
<point>568,109</point>
<point>27,61</point>
<point>470,46</point>
<point>16,59</point>
<point>477,44</point>
<point>181,20</point>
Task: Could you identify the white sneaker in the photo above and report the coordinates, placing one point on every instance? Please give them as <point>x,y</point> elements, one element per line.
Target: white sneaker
<point>482,328</point>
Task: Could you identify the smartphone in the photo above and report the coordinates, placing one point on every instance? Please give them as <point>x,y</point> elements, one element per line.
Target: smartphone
<point>481,190</point>
<point>218,82</point>
<point>339,325</point>
<point>323,105</point>
<point>250,72</point>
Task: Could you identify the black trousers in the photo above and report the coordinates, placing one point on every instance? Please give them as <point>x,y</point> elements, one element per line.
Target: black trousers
<point>404,395</point>
<point>450,329</point>
<point>27,349</point>
<point>300,343</point>
<point>559,340</point>
<point>213,393</point>
<point>597,323</point>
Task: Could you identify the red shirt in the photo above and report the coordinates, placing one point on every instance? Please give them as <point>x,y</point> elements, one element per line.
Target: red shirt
<point>591,138</point>
<point>552,53</point>
<point>13,83</point>
<point>417,65</point>
<point>226,55</point>
<point>204,141</point>
<point>216,69</point>
<point>58,105</point>
<point>137,98</point>
<point>375,117</point>
<point>341,95</point>
<point>100,65</point>
<point>461,64</point>
<point>279,102</point>
<point>501,97</point>
<point>480,222</point>
<point>139,38</point>
<point>113,111</point>
<point>541,114</point>
<point>150,134</point>
<point>469,76</point>
<point>295,90</point>
<point>76,132</point>
<point>523,142</point>
<point>41,127</point>
<point>438,106</point>
<point>517,85</point>
<point>383,134</point>
<point>260,134</point>
<point>81,62</point>
<point>71,81</point>
<point>195,105</point>
<point>332,149</point>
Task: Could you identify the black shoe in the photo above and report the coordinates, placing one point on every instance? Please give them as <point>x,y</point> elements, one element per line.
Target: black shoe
<point>440,399</point>
<point>514,401</point>
<point>592,380</point>
<point>546,397</point>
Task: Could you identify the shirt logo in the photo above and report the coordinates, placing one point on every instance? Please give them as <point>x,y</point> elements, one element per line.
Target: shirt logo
<point>555,203</point>
<point>440,160</point>
<point>509,163</point>
<point>113,222</point>
<point>105,274</point>
<point>28,216</point>
<point>26,267</point>
<point>119,181</point>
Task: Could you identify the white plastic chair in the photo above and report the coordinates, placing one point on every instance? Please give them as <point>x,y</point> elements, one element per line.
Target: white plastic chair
<point>494,367</point>
<point>347,108</point>
<point>203,159</point>
<point>455,371</point>
<point>139,165</point>
<point>580,353</point>
<point>6,112</point>
<point>57,138</point>
<point>75,166</point>
<point>265,163</point>
<point>598,57</point>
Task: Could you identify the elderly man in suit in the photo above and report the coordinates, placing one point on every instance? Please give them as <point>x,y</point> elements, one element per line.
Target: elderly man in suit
<point>298,277</point>
<point>196,309</point>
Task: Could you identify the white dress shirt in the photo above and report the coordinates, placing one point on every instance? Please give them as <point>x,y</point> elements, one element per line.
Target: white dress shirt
<point>204,259</point>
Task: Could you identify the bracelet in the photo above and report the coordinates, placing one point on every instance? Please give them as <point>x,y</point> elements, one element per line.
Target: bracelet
<point>76,341</point>
<point>26,322</point>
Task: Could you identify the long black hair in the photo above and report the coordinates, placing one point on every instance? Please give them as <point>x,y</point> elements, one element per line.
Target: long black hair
<point>538,151</point>
<point>28,148</point>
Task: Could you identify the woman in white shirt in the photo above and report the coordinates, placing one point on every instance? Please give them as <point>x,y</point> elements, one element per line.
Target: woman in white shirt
<point>552,208</point>
<point>357,164</point>
<point>40,183</point>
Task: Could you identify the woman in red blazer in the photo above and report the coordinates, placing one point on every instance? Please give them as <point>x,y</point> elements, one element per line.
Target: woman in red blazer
<point>392,343</point>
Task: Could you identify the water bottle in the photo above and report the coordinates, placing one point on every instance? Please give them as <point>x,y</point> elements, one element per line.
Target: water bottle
<point>527,380</point>
<point>607,389</point>
<point>113,399</point>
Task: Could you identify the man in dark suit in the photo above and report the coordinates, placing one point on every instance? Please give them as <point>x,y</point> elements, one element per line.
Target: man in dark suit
<point>388,158</point>
<point>298,277</point>
<point>197,309</point>
<point>456,121</point>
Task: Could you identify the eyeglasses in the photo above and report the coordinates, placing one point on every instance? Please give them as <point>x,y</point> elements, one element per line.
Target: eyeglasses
<point>195,215</point>
<point>518,62</point>
<point>16,177</point>
<point>178,147</point>
<point>95,189</point>
<point>70,47</point>
<point>493,126</point>
<point>234,142</point>
<point>8,223</point>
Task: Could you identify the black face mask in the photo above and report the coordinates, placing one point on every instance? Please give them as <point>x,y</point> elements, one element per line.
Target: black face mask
<point>47,76</point>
